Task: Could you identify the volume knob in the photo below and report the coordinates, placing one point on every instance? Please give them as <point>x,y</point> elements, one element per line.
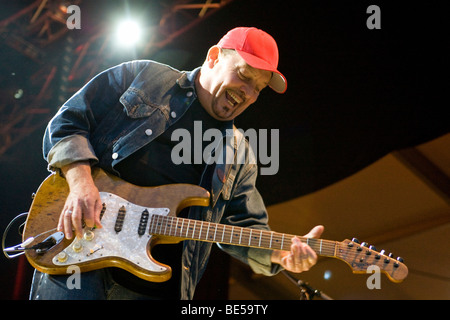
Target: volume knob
<point>77,246</point>
<point>62,257</point>
<point>88,235</point>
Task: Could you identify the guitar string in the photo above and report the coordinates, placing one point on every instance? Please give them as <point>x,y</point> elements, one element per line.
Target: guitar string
<point>265,237</point>
<point>176,227</point>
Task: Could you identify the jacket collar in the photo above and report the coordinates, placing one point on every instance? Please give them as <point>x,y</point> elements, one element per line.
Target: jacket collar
<point>187,79</point>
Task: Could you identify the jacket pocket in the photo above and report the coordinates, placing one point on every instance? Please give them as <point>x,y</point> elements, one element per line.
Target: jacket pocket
<point>136,105</point>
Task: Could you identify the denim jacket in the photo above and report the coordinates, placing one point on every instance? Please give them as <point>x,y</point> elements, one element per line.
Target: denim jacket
<point>124,108</point>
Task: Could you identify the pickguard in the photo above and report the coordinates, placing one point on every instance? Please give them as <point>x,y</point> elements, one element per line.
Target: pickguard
<point>106,242</point>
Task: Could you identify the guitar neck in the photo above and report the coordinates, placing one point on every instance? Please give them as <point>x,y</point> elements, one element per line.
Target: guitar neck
<point>214,232</point>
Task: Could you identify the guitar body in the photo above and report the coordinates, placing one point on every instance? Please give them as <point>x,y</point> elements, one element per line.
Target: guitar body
<point>135,219</point>
<point>124,241</point>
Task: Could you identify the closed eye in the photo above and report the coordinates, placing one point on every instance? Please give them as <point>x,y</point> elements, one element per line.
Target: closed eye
<point>247,79</point>
<point>243,76</point>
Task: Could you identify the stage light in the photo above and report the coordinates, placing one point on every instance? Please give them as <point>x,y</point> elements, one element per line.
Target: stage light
<point>128,33</point>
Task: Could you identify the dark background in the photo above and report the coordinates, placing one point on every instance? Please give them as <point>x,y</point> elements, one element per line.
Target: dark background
<point>354,94</point>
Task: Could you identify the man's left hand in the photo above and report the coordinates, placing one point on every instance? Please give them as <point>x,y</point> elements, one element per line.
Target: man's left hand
<point>301,257</point>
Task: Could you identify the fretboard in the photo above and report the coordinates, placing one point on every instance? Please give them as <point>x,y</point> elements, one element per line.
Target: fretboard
<point>239,236</point>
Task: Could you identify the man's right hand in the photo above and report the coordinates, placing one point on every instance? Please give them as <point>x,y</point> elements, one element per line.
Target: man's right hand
<point>83,202</point>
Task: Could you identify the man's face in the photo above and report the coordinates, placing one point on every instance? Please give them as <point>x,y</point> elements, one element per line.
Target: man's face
<point>232,86</point>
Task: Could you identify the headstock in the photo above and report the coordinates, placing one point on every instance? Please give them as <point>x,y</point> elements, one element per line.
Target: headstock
<point>361,256</point>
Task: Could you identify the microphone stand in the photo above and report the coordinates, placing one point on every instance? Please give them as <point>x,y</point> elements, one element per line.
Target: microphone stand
<point>306,291</point>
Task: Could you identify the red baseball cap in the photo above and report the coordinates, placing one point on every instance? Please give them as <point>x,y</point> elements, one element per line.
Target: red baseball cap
<point>259,50</point>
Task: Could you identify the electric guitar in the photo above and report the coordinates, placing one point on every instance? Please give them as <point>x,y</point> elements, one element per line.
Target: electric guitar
<point>135,219</point>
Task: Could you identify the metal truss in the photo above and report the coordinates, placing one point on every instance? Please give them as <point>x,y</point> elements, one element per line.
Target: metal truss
<point>33,32</point>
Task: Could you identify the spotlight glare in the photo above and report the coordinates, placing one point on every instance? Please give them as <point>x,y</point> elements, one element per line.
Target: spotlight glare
<point>327,275</point>
<point>128,33</point>
<point>18,94</point>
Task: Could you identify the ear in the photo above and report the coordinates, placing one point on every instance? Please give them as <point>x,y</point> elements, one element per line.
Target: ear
<point>213,56</point>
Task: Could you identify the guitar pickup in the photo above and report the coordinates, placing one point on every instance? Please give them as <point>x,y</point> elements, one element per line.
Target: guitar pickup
<point>143,222</point>
<point>120,219</point>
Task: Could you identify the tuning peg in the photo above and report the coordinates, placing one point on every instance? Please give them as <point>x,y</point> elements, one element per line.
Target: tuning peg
<point>399,259</point>
<point>387,260</point>
<point>382,252</point>
<point>372,248</point>
<point>355,240</point>
<point>364,244</point>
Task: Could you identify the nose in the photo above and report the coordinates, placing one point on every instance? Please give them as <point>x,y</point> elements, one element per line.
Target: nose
<point>249,91</point>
